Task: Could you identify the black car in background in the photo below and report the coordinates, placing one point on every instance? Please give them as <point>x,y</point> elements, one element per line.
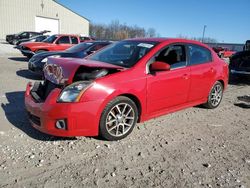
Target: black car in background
<point>13,39</point>
<point>36,63</point>
<point>37,38</point>
<point>240,62</point>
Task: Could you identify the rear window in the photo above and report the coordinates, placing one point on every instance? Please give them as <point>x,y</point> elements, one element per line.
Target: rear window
<point>199,55</point>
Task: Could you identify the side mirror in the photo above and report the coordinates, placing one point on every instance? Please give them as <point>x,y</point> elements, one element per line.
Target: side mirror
<point>160,66</point>
<point>90,52</point>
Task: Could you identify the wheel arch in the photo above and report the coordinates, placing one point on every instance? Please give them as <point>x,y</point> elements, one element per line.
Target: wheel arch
<point>137,102</point>
<point>222,82</point>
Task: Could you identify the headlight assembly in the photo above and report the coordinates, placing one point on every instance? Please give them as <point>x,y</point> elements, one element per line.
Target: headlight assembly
<point>45,60</point>
<point>73,92</point>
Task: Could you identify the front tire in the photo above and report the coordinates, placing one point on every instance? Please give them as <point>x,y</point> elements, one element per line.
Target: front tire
<point>14,42</point>
<point>215,96</point>
<point>118,119</point>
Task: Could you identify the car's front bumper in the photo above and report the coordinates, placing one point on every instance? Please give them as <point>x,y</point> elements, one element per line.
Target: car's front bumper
<point>27,53</point>
<point>35,69</point>
<point>81,117</point>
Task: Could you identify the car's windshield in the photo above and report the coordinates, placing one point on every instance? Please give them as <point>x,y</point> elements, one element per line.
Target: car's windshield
<point>124,53</point>
<point>19,33</point>
<point>40,38</point>
<point>51,39</point>
<point>79,47</point>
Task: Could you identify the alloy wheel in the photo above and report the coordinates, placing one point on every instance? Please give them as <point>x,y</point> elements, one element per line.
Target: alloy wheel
<point>216,95</point>
<point>120,119</point>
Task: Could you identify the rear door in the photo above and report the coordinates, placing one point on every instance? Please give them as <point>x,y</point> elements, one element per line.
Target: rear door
<point>202,72</point>
<point>166,89</point>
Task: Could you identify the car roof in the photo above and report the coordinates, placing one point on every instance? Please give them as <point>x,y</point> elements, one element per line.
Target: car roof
<point>73,35</point>
<point>169,40</point>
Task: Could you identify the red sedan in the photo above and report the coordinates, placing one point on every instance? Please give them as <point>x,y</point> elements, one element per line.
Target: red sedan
<point>130,81</point>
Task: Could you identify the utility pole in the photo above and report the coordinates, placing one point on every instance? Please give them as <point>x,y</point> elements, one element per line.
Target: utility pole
<point>203,35</point>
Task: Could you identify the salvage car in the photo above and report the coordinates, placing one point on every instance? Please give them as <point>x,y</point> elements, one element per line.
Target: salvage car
<point>36,63</point>
<point>53,43</point>
<point>14,38</point>
<point>130,81</point>
<point>37,38</point>
<point>240,62</point>
<point>223,52</point>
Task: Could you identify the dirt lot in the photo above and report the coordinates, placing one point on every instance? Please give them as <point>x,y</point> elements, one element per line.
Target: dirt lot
<point>191,148</point>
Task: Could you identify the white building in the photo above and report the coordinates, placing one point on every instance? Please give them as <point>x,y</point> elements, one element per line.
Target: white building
<point>39,15</point>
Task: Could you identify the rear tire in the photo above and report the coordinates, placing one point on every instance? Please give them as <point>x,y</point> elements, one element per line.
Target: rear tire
<point>215,96</point>
<point>118,119</point>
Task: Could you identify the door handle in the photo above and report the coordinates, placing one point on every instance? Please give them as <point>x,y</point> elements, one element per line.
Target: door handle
<point>212,70</point>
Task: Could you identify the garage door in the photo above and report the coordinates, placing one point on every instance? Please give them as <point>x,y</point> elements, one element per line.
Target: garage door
<point>47,24</point>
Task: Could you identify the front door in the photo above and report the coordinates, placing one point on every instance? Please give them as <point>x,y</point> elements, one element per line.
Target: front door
<point>166,89</point>
<point>62,43</point>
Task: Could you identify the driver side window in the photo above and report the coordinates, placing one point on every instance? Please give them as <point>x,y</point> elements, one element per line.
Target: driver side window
<point>63,40</point>
<point>174,55</point>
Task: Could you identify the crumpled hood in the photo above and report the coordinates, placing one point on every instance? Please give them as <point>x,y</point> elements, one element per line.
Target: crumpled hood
<point>61,70</point>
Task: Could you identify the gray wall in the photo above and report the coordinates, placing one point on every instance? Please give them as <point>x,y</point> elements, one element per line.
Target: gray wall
<point>19,15</point>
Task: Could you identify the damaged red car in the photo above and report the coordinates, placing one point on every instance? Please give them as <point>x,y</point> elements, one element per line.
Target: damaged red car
<point>130,81</point>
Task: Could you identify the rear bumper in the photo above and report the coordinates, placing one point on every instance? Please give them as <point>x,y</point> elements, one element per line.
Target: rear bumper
<point>81,118</point>
<point>240,72</point>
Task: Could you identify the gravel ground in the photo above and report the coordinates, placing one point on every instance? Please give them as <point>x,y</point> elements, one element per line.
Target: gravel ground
<point>195,147</point>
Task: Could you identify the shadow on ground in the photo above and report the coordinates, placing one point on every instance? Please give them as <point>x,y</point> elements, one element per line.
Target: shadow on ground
<point>4,42</point>
<point>16,114</point>
<point>22,59</point>
<point>28,74</point>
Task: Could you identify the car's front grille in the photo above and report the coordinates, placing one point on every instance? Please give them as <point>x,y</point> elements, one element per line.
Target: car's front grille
<point>34,119</point>
<point>41,91</point>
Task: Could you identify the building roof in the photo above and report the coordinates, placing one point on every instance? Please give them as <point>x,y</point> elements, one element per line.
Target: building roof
<point>71,10</point>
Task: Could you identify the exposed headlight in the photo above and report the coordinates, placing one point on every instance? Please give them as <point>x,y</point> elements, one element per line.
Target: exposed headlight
<point>45,60</point>
<point>73,92</point>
